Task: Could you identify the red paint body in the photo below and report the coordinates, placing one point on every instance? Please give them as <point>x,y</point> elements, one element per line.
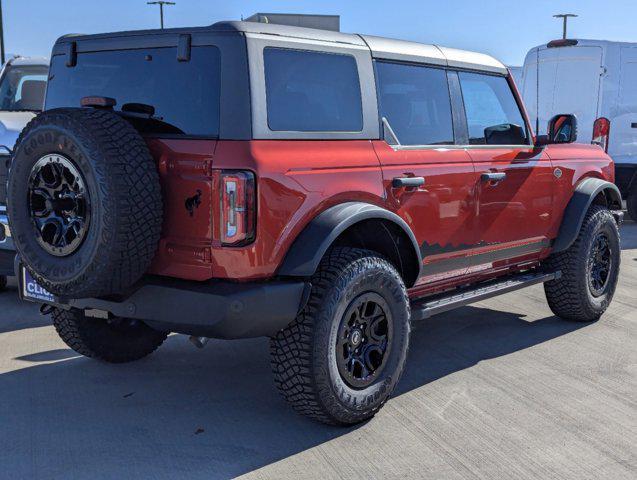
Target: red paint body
<point>296,180</point>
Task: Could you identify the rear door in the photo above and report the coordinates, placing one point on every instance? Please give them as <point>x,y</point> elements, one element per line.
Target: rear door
<point>416,102</point>
<point>568,81</point>
<point>515,188</point>
<point>622,145</point>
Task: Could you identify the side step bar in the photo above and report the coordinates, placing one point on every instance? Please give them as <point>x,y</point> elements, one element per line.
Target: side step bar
<point>421,309</point>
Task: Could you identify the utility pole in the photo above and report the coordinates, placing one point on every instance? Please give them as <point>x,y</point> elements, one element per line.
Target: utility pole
<point>1,35</point>
<point>161,4</point>
<point>564,17</point>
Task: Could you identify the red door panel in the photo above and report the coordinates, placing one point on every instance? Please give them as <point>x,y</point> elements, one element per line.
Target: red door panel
<point>441,213</point>
<point>514,214</point>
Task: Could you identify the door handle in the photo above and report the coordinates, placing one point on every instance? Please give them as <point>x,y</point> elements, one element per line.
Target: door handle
<point>401,182</point>
<point>493,176</point>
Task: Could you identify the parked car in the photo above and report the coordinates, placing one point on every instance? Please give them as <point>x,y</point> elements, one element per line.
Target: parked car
<point>22,87</point>
<point>597,81</point>
<point>319,188</point>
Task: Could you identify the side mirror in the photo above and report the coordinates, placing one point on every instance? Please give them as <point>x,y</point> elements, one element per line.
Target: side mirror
<point>562,129</point>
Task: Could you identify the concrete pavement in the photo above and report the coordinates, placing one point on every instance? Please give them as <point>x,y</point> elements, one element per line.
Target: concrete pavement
<point>497,390</point>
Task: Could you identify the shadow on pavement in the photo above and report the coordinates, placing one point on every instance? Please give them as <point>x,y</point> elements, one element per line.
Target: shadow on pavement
<point>18,315</point>
<point>183,413</point>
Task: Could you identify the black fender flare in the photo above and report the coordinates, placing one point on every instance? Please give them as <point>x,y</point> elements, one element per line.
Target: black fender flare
<point>305,254</point>
<point>579,204</point>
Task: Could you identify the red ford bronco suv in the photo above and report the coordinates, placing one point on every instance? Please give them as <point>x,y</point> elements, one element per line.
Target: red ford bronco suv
<point>319,188</point>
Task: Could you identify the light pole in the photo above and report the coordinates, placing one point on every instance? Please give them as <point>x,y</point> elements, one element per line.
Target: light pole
<point>161,4</point>
<point>1,36</point>
<point>564,17</point>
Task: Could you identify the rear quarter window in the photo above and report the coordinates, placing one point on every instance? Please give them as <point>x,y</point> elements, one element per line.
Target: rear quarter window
<point>310,91</point>
<point>185,95</point>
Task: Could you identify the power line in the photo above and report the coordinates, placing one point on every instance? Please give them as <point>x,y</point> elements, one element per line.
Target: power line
<point>161,4</point>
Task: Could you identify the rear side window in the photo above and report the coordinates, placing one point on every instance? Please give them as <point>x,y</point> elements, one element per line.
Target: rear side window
<point>312,91</point>
<point>184,95</point>
<point>493,115</point>
<point>416,102</point>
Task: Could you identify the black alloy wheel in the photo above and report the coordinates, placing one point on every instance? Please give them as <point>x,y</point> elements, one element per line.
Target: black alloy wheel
<point>364,340</point>
<point>599,264</point>
<point>59,205</point>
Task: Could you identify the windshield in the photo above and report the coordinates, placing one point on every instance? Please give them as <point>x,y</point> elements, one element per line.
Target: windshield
<point>22,88</point>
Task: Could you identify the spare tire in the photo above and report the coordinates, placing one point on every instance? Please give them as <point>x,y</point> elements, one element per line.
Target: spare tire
<point>84,202</point>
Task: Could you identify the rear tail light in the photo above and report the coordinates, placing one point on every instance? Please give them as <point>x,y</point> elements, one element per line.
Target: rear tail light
<point>601,132</point>
<point>238,207</point>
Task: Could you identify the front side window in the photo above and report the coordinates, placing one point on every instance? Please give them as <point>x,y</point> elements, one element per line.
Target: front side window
<point>493,115</point>
<point>312,91</point>
<point>160,94</point>
<point>415,101</point>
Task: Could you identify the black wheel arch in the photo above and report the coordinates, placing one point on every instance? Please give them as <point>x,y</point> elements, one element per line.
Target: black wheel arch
<point>347,224</point>
<point>588,192</point>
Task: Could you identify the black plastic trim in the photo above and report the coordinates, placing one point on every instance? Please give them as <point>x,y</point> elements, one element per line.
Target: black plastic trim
<point>579,204</point>
<point>422,309</point>
<point>214,309</point>
<point>492,256</point>
<point>71,54</point>
<point>308,249</point>
<point>460,127</point>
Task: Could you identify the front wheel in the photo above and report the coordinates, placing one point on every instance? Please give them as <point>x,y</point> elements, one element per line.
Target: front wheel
<point>117,340</point>
<point>3,283</point>
<point>590,269</point>
<point>342,357</point>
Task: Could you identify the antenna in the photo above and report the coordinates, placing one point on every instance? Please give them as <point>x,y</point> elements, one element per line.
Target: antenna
<point>564,17</point>
<point>161,4</point>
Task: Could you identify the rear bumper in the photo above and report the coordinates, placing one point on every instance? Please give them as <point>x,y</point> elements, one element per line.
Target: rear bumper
<point>214,309</point>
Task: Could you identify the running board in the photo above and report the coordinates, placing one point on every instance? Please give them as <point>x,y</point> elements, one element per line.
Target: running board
<point>421,309</point>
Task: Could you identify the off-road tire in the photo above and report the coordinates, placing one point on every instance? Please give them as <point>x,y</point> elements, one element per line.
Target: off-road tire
<point>570,296</point>
<point>3,283</point>
<point>631,204</point>
<point>114,341</point>
<point>125,205</point>
<point>303,354</point>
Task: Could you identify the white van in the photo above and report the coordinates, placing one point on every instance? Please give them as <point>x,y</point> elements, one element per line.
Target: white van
<point>597,81</point>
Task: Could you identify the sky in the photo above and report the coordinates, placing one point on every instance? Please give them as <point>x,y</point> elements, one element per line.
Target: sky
<point>506,29</point>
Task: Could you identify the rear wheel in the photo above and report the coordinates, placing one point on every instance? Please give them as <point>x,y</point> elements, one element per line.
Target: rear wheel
<point>3,283</point>
<point>117,340</point>
<point>590,270</point>
<point>341,359</point>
